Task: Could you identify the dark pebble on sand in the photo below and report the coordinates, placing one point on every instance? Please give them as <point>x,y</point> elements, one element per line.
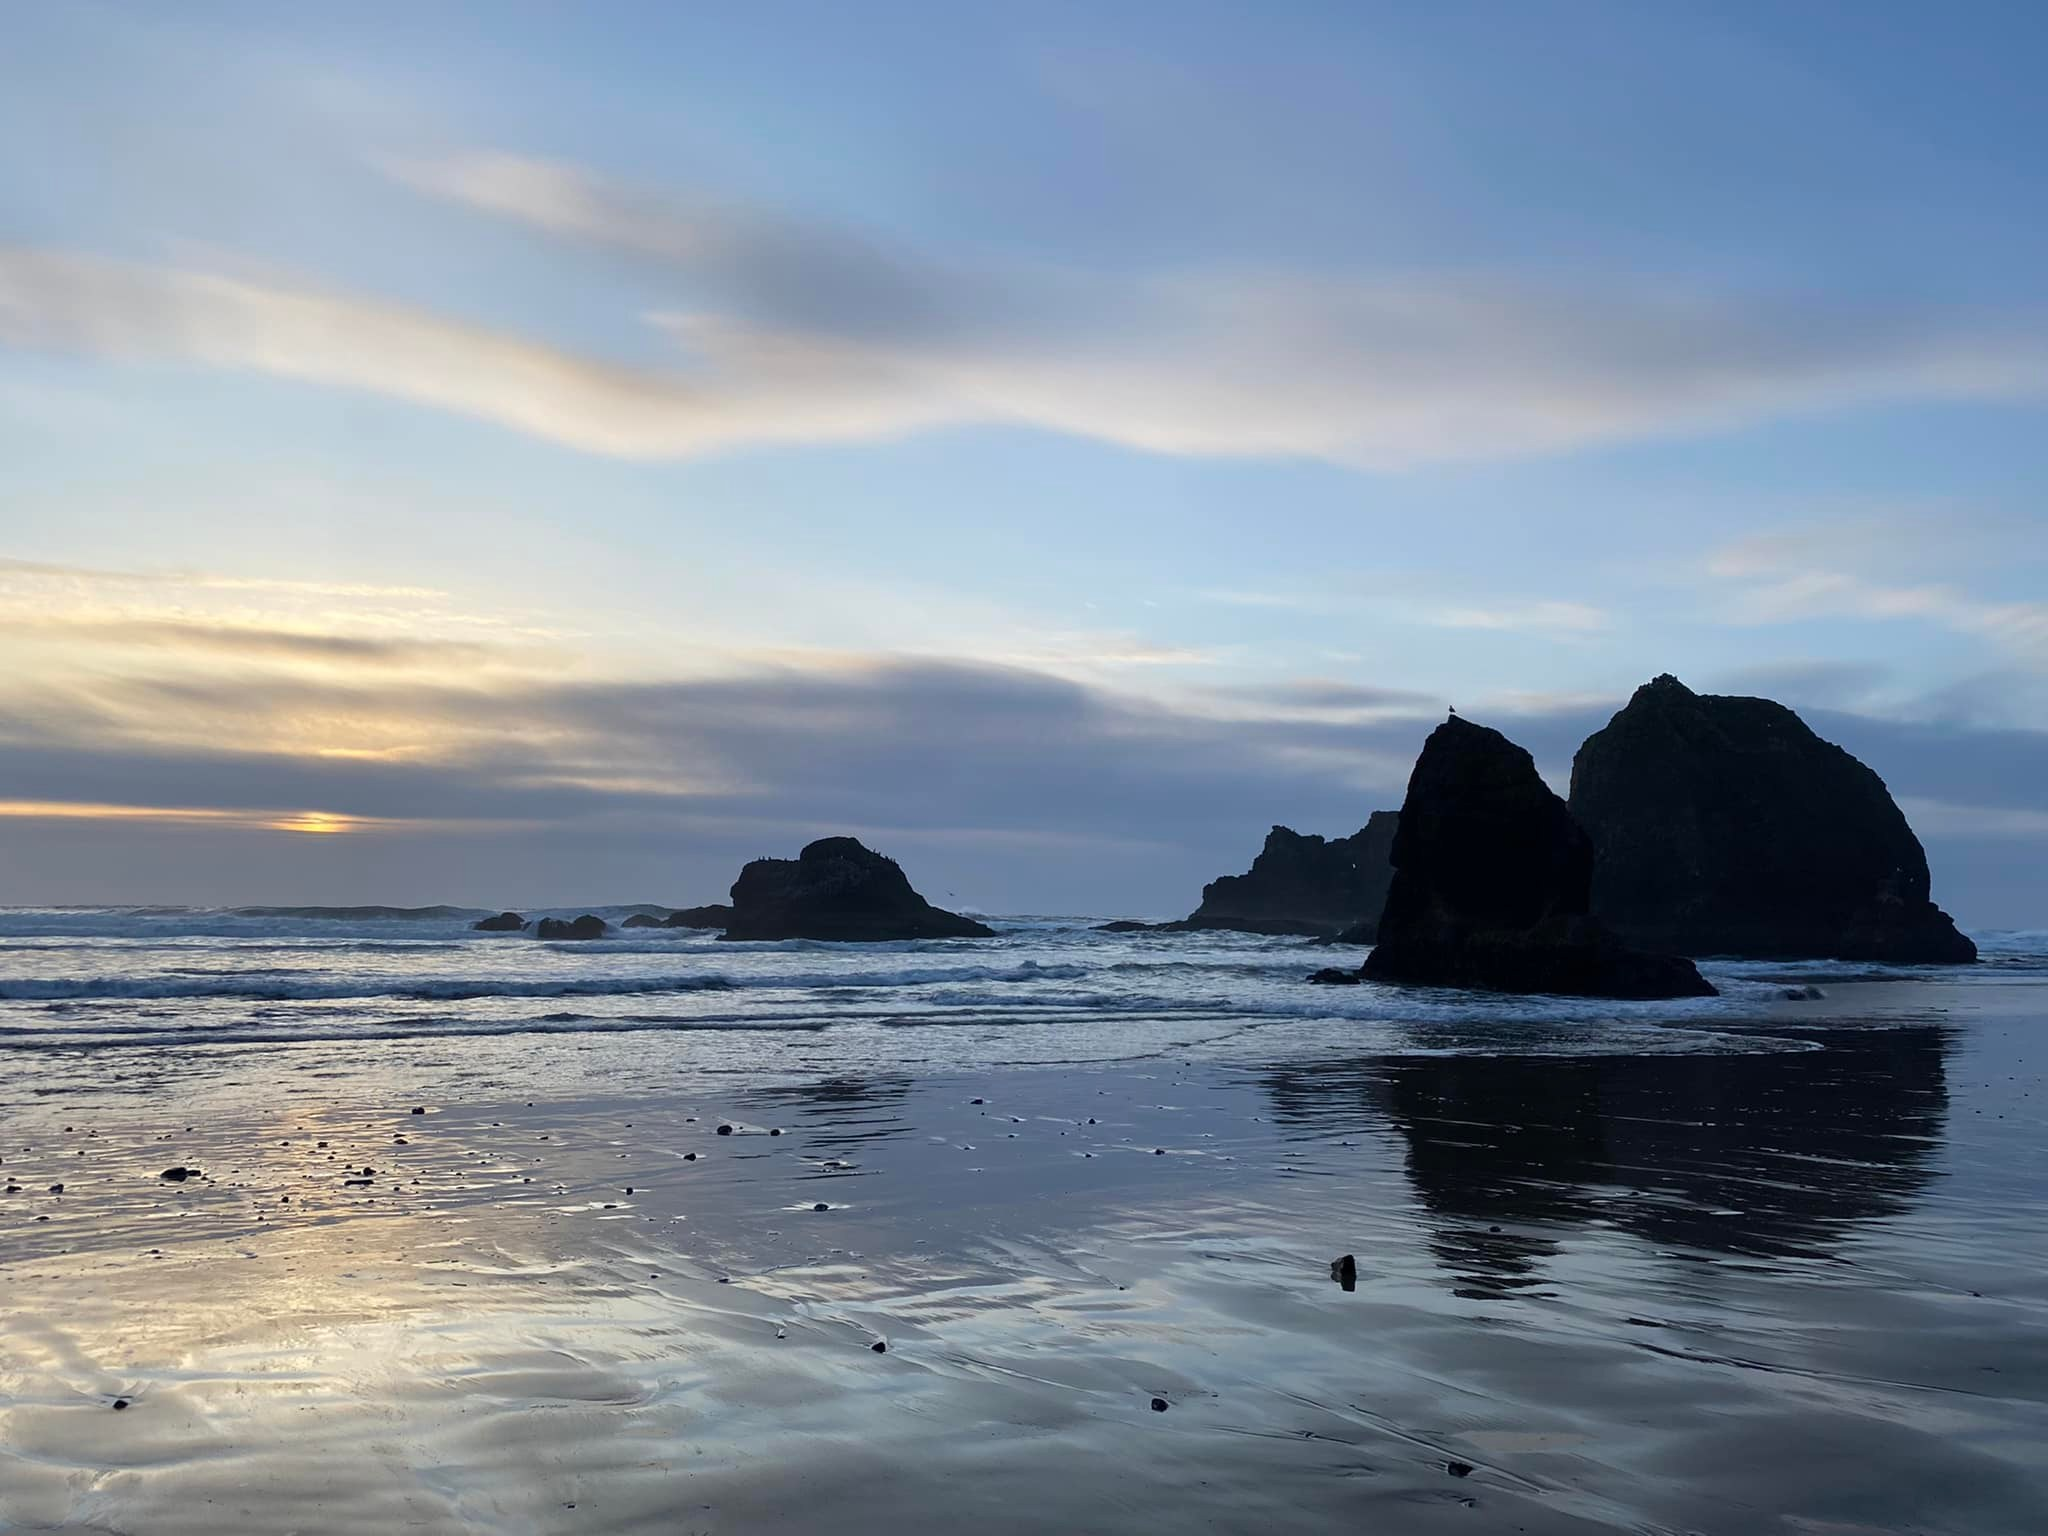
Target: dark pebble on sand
<point>879,1347</point>
<point>56,1189</point>
<point>419,1109</point>
<point>775,1130</point>
<point>725,1130</point>
<point>179,1175</point>
<point>1159,1405</point>
<point>1458,1468</point>
<point>120,1403</point>
<point>976,1101</point>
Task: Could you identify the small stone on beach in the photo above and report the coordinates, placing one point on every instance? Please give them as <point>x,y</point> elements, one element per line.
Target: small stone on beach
<point>879,1347</point>
<point>1159,1405</point>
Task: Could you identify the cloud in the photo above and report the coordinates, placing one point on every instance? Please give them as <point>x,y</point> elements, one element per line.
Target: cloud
<point>1024,790</point>
<point>98,576</point>
<point>1319,696</point>
<point>250,641</point>
<point>1775,579</point>
<point>1576,618</point>
<point>795,331</point>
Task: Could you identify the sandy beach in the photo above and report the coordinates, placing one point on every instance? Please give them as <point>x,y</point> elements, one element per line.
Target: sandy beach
<point>529,1285</point>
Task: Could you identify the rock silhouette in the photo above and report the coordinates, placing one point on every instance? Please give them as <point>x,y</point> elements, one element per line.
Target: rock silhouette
<point>682,917</point>
<point>1324,885</point>
<point>838,889</point>
<point>1493,881</point>
<point>1724,826</point>
<point>716,915</point>
<point>1325,888</point>
<point>504,922</point>
<point>585,927</point>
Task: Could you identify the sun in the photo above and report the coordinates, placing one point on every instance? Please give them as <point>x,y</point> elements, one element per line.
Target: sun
<point>321,823</point>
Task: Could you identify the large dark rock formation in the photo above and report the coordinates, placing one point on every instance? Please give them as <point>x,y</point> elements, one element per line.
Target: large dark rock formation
<point>838,889</point>
<point>1724,826</point>
<point>1306,885</point>
<point>1323,885</point>
<point>504,922</point>
<point>588,926</point>
<point>1493,881</point>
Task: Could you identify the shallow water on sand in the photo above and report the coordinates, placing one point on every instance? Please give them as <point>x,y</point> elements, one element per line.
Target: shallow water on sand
<point>1760,1266</point>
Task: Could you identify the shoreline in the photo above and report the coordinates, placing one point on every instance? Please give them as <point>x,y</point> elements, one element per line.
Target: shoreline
<point>1616,1289</point>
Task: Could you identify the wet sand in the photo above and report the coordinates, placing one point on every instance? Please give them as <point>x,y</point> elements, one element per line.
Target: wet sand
<point>1803,1289</point>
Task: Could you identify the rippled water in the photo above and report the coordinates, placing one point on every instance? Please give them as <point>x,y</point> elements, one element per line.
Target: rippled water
<point>467,1252</point>
<point>1046,989</point>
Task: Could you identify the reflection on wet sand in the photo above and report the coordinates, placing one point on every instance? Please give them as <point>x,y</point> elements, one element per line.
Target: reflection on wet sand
<point>1771,1155</point>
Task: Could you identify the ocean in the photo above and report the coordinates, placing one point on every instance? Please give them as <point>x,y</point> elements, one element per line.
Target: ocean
<point>474,1233</point>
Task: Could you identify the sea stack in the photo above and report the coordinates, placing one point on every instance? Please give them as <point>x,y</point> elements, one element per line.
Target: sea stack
<point>1305,884</point>
<point>1493,881</point>
<point>1724,826</point>
<point>838,889</point>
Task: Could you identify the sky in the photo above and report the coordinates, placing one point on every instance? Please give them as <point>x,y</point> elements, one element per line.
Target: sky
<point>523,454</point>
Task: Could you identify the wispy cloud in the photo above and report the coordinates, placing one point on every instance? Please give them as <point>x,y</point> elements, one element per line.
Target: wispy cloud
<point>250,641</point>
<point>701,772</point>
<point>1577,618</point>
<point>1778,579</point>
<point>100,576</point>
<point>791,330</point>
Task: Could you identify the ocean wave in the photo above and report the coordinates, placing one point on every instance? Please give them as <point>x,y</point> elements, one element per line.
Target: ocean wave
<point>249,986</point>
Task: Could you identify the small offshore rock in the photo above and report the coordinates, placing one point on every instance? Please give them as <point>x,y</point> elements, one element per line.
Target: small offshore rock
<point>504,922</point>
<point>1159,1405</point>
<point>1334,976</point>
<point>725,1130</point>
<point>821,1206</point>
<point>1458,1468</point>
<point>879,1347</point>
<point>1345,1271</point>
<point>588,926</point>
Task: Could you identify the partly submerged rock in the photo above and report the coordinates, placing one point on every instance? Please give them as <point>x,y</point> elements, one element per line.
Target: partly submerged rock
<point>1332,976</point>
<point>1724,826</point>
<point>584,927</point>
<point>1492,883</point>
<point>641,920</point>
<point>504,922</point>
<point>838,889</point>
